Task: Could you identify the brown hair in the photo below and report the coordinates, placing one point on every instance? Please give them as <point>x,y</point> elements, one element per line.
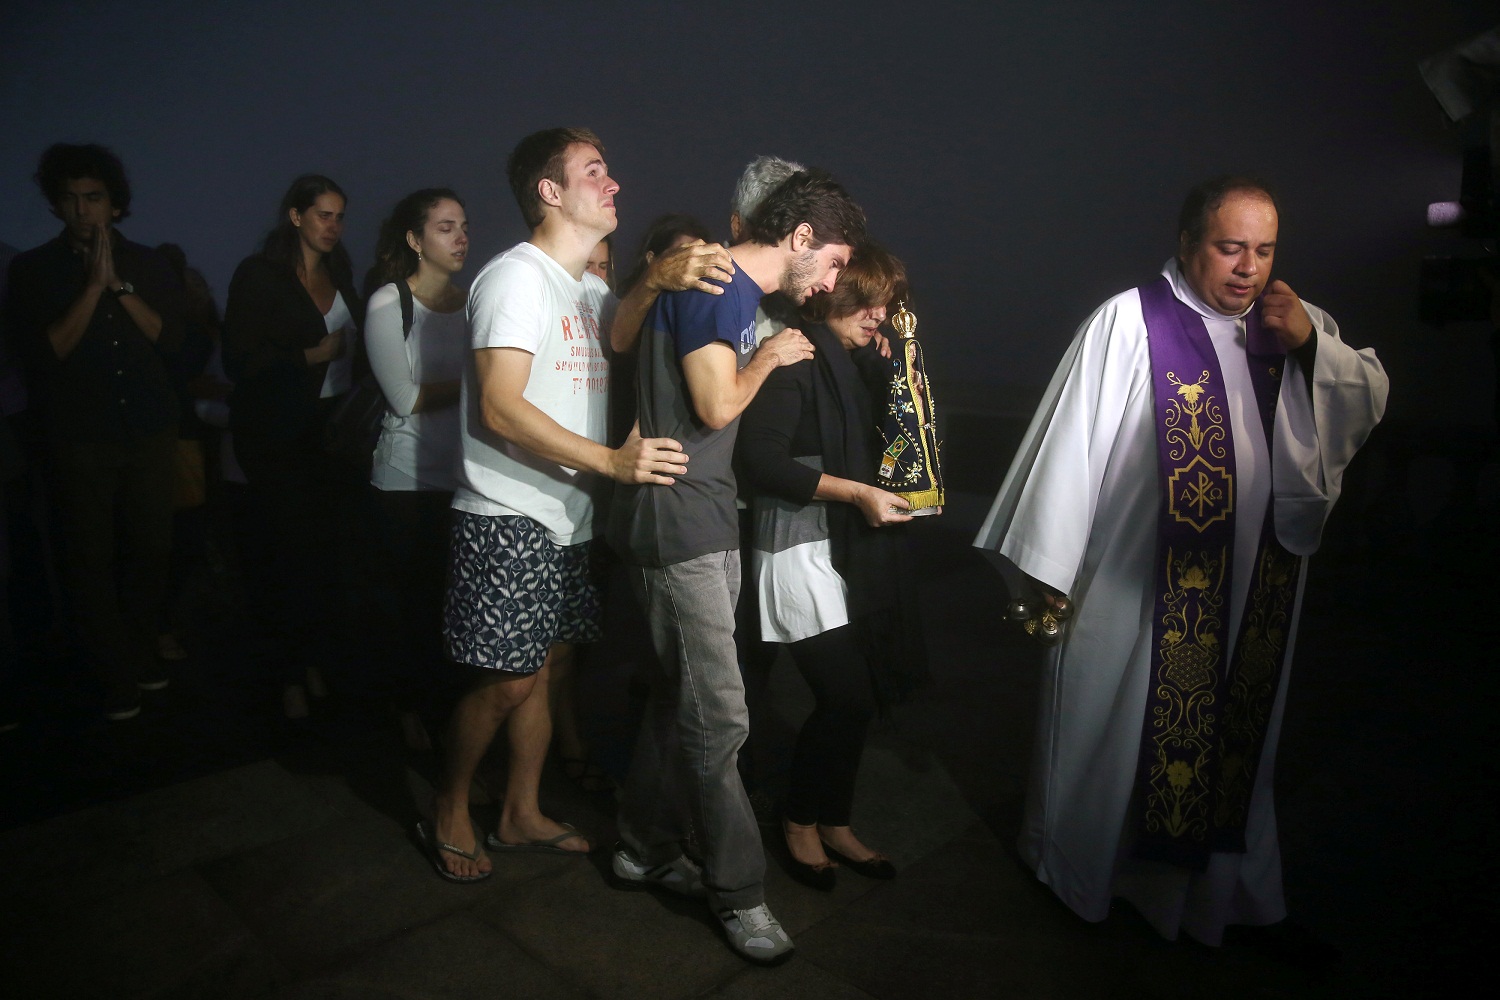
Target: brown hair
<point>813,197</point>
<point>542,156</point>
<point>873,278</point>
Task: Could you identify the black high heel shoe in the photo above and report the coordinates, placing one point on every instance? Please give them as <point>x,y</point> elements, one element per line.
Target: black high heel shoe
<point>878,866</point>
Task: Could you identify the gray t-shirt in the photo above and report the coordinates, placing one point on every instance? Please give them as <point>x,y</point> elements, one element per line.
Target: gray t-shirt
<point>662,525</point>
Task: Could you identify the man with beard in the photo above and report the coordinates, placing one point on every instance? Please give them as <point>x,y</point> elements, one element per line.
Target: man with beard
<point>700,368</point>
<point>670,271</point>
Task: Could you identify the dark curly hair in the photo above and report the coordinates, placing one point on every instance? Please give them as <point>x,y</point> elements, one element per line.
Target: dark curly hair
<point>63,162</point>
<point>813,197</point>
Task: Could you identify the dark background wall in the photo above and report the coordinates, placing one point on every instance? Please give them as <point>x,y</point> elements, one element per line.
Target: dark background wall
<point>1026,160</point>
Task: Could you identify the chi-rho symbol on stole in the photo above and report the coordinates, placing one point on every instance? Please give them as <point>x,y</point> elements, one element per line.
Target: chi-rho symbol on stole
<point>1199,492</point>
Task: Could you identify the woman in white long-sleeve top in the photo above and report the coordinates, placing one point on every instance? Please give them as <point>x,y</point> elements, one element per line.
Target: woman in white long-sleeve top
<point>417,353</point>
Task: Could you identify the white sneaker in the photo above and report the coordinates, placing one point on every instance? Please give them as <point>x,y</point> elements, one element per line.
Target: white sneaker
<point>679,875</point>
<point>757,935</point>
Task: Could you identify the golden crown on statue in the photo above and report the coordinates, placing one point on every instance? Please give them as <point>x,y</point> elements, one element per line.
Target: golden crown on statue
<point>904,321</point>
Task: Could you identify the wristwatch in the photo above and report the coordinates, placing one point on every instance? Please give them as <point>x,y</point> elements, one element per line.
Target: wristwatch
<point>126,288</point>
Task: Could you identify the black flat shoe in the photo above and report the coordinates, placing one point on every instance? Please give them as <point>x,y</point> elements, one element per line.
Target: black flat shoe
<point>877,867</point>
<point>821,877</point>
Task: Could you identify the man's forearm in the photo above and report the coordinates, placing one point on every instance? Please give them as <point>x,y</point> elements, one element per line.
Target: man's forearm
<point>625,331</point>
<point>750,378</point>
<point>719,400</point>
<point>520,422</point>
<point>65,334</point>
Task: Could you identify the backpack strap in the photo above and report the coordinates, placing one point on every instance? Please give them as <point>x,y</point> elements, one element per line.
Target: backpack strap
<point>407,309</point>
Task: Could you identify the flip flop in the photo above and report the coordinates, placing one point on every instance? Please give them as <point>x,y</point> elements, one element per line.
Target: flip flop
<point>548,846</point>
<point>435,849</point>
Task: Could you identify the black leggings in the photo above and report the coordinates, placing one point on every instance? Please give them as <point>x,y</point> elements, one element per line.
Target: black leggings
<point>291,552</point>
<point>415,529</point>
<point>826,758</point>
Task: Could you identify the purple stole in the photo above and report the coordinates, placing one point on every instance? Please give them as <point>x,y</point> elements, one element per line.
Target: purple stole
<point>1206,721</point>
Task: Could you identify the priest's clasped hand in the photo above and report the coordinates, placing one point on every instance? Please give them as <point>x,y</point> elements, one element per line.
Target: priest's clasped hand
<point>1283,314</point>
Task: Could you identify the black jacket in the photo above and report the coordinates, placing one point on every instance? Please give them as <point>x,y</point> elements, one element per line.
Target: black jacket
<point>114,385</point>
<point>828,407</point>
<point>269,321</point>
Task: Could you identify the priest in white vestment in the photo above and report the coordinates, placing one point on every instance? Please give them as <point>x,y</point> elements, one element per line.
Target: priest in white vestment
<point>1077,515</point>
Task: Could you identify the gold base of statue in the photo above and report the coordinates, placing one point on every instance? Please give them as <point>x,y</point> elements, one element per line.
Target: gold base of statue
<point>923,502</point>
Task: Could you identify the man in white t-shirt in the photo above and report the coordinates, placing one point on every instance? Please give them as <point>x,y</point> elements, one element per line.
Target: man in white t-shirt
<point>533,414</point>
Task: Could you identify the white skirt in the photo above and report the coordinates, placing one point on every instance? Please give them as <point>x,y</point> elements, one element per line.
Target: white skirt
<point>801,594</point>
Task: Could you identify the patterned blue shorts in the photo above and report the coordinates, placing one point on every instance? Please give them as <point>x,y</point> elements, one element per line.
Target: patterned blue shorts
<point>513,592</point>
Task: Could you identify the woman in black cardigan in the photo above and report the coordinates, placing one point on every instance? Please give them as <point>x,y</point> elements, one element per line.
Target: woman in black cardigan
<point>827,558</point>
<point>289,329</point>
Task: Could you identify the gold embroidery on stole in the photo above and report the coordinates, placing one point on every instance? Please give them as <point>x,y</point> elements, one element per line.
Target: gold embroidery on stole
<point>1199,493</point>
<point>1182,720</point>
<point>1252,689</point>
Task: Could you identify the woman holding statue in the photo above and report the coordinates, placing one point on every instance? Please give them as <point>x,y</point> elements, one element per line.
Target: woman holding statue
<point>827,560</point>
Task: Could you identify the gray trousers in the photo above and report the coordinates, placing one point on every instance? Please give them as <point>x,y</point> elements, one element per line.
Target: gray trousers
<point>685,758</point>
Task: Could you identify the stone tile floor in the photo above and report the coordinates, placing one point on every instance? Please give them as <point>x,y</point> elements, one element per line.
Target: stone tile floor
<point>203,850</point>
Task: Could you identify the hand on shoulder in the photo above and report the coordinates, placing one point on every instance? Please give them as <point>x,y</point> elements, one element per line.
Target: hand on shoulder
<point>687,266</point>
<point>786,348</point>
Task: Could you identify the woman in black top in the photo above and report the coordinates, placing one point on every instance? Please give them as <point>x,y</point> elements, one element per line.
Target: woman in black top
<point>289,326</point>
<point>827,565</point>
